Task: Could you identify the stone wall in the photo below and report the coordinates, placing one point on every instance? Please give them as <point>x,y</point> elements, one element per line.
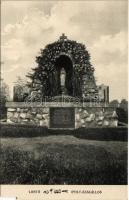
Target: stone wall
<point>96,117</point>
<point>34,116</point>
<point>84,116</point>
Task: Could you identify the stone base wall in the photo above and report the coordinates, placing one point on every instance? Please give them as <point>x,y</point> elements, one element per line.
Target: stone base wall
<point>34,116</point>
<point>84,116</point>
<point>96,117</point>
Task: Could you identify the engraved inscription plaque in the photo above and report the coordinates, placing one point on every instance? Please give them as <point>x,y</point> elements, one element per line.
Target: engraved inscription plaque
<point>62,118</point>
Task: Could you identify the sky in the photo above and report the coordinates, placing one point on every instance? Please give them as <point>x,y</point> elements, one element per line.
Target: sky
<point>28,26</point>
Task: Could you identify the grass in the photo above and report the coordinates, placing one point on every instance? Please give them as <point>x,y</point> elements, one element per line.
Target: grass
<point>62,159</point>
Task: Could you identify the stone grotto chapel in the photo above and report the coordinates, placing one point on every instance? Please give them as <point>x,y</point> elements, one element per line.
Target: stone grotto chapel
<point>62,92</point>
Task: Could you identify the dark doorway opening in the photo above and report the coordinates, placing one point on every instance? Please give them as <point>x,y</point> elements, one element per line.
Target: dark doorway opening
<point>66,63</point>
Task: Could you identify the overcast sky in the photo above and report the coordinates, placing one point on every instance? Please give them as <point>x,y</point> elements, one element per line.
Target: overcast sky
<point>27,26</point>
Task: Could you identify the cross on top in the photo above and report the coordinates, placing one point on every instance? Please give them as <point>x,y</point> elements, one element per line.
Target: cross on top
<point>63,37</point>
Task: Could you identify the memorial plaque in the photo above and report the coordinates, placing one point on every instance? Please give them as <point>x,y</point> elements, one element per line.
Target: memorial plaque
<point>62,118</point>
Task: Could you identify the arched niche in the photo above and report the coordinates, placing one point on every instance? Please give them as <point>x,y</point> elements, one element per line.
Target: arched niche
<point>64,62</point>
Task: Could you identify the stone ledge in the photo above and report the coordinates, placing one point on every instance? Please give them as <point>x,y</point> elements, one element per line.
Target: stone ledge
<point>55,104</point>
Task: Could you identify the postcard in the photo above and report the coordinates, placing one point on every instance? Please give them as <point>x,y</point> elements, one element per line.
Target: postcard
<point>64,101</point>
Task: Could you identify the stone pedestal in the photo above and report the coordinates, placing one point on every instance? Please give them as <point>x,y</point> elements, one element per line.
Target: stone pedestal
<point>61,115</point>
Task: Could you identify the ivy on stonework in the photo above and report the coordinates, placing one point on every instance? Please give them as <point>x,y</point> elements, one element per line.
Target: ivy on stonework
<point>44,73</point>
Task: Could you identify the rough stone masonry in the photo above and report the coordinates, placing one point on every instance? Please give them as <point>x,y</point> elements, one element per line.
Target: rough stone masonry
<point>84,117</point>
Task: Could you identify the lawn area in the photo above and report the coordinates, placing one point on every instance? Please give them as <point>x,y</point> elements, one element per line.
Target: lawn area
<point>62,159</point>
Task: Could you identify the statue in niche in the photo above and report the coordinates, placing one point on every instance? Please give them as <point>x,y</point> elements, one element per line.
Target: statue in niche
<point>62,80</point>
